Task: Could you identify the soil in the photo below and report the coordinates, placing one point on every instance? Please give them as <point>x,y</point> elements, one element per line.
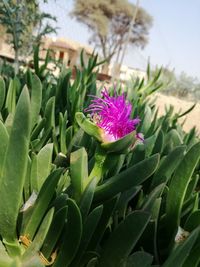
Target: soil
<point>191,119</point>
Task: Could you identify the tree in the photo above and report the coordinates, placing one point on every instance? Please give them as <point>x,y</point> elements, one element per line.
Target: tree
<point>23,23</point>
<point>109,22</point>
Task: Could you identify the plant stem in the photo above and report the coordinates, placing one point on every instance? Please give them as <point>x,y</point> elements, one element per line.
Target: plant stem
<point>98,169</point>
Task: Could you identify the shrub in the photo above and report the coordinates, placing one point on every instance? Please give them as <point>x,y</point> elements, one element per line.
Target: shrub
<point>70,198</point>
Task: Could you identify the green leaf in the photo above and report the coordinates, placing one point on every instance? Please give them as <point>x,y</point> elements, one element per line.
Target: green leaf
<point>124,199</point>
<point>49,113</point>
<point>44,158</point>
<point>14,169</point>
<point>146,122</point>
<point>5,260</point>
<point>88,126</point>
<point>150,201</point>
<point>194,258</point>
<point>56,227</point>
<point>42,202</point>
<point>34,173</point>
<point>108,209</point>
<point>33,261</point>
<point>168,166</point>
<point>191,187</point>
<point>36,99</point>
<point>88,230</point>
<point>79,171</point>
<point>139,259</point>
<point>71,236</point>
<point>75,140</point>
<point>179,255</point>
<point>69,135</point>
<point>158,146</point>
<point>148,70</point>
<point>37,243</point>
<point>123,239</point>
<point>172,139</point>
<point>121,144</point>
<point>63,88</point>
<point>2,92</point>
<point>3,145</point>
<point>137,155</point>
<point>92,262</point>
<point>113,163</point>
<point>38,128</point>
<point>39,143</point>
<point>36,59</point>
<point>27,182</point>
<point>9,122</point>
<point>131,177</point>
<point>178,188</point>
<point>187,111</point>
<point>149,145</point>
<point>86,199</point>
<point>63,136</point>
<point>193,221</point>
<point>11,97</point>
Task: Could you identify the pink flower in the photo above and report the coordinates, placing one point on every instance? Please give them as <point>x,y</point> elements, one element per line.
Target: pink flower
<point>113,115</point>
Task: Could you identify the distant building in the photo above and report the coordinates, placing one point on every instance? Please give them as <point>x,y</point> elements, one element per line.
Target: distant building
<point>65,50</point>
<point>125,73</point>
<point>68,52</point>
<point>6,50</point>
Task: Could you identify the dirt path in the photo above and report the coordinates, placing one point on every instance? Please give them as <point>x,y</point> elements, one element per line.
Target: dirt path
<point>192,118</point>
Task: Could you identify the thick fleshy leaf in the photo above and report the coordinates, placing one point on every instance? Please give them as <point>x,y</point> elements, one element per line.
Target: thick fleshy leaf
<point>3,145</point>
<point>36,98</point>
<point>44,158</point>
<point>79,171</point>
<point>108,209</point>
<point>39,238</point>
<point>123,239</point>
<point>88,230</point>
<point>88,126</point>
<point>193,221</point>
<point>121,144</point>
<point>124,199</point>
<point>63,135</point>
<point>2,92</point>
<point>49,114</point>
<point>131,177</point>
<point>54,232</point>
<point>86,199</point>
<point>180,254</point>
<point>168,166</point>
<point>42,202</point>
<point>71,236</point>
<point>150,200</point>
<point>14,169</point>
<point>139,259</point>
<point>11,97</point>
<point>178,188</point>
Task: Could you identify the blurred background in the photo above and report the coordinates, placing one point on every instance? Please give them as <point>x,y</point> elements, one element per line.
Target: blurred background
<point>127,35</point>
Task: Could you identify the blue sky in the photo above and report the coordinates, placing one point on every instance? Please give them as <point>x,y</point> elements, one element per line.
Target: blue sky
<point>174,38</point>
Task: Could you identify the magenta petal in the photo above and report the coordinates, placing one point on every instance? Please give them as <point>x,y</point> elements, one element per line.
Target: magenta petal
<point>114,114</point>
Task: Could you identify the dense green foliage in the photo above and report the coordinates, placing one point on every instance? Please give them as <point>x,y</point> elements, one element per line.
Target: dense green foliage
<point>23,25</point>
<point>69,200</point>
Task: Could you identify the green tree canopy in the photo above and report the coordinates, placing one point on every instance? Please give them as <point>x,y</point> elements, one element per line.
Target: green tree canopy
<point>24,24</point>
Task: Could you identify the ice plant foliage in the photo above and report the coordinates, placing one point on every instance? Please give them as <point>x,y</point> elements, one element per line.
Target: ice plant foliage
<point>113,115</point>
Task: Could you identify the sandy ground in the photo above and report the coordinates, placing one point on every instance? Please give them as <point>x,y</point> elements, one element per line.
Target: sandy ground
<point>191,119</point>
